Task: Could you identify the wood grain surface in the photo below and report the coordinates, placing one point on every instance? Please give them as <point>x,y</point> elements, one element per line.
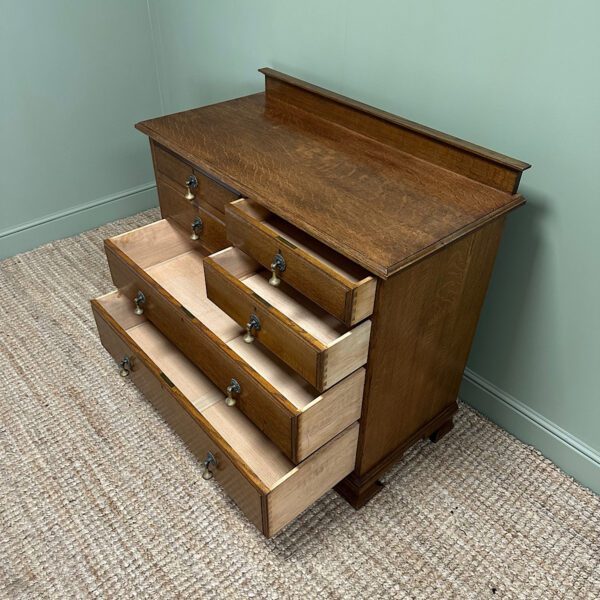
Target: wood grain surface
<point>272,395</point>
<point>311,479</point>
<point>312,342</point>
<point>177,171</point>
<point>211,235</point>
<point>329,279</point>
<point>323,176</point>
<point>460,156</point>
<point>424,322</point>
<point>118,342</point>
<point>374,202</point>
<point>269,489</point>
<point>268,409</point>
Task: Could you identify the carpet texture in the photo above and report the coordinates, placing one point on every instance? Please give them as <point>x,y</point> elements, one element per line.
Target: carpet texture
<point>98,498</point>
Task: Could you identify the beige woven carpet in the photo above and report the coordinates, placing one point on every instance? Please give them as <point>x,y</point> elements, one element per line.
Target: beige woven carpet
<point>98,498</point>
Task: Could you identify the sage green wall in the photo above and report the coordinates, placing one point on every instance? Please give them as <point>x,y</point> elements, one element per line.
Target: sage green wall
<point>74,78</point>
<point>519,77</point>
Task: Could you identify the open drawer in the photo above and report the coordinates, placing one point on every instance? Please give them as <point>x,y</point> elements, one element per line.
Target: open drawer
<point>314,343</point>
<point>268,488</point>
<point>160,262</point>
<point>335,283</point>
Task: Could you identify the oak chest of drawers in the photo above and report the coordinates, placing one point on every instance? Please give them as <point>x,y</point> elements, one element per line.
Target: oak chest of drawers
<point>304,310</point>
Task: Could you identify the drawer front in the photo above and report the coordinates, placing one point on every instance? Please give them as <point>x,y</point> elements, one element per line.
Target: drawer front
<point>201,224</point>
<point>347,293</point>
<point>317,346</point>
<point>172,167</point>
<point>267,487</point>
<point>277,332</point>
<point>177,172</point>
<point>258,400</point>
<point>213,193</point>
<point>168,402</point>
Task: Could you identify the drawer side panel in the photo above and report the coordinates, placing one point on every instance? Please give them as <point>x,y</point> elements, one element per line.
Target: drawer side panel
<point>332,412</point>
<point>311,479</point>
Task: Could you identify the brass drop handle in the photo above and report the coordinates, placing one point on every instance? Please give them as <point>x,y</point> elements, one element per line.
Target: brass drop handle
<point>278,265</point>
<point>252,325</point>
<point>125,367</point>
<point>138,301</point>
<point>233,388</point>
<point>197,226</point>
<point>191,183</point>
<point>209,461</point>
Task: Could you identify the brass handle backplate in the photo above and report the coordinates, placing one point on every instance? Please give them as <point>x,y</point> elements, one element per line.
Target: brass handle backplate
<point>197,226</point>
<point>252,325</point>
<point>209,461</point>
<point>125,366</point>
<point>277,266</point>
<point>138,301</point>
<point>191,183</point>
<point>233,388</point>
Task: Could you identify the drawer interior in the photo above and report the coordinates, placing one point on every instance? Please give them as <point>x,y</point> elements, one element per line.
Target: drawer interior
<point>343,266</point>
<point>297,307</point>
<point>252,446</point>
<point>166,254</point>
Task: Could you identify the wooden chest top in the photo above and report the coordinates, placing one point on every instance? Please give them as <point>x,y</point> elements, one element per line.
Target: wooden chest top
<point>381,190</point>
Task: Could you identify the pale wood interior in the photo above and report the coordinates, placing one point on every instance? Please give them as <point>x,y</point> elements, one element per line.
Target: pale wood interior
<point>347,354</point>
<point>337,408</point>
<point>318,473</point>
<point>182,276</point>
<point>289,383</point>
<point>194,385</point>
<point>310,317</point>
<point>251,445</point>
<point>154,243</point>
<point>119,306</point>
<point>364,300</point>
<point>345,268</point>
<point>306,314</point>
<point>236,262</point>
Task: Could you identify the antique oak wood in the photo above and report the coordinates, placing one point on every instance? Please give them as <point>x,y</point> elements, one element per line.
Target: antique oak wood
<point>316,345</point>
<point>210,232</point>
<point>362,242</point>
<point>176,172</point>
<point>370,195</point>
<point>424,323</point>
<point>435,147</point>
<point>157,261</point>
<point>264,484</point>
<point>330,280</point>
